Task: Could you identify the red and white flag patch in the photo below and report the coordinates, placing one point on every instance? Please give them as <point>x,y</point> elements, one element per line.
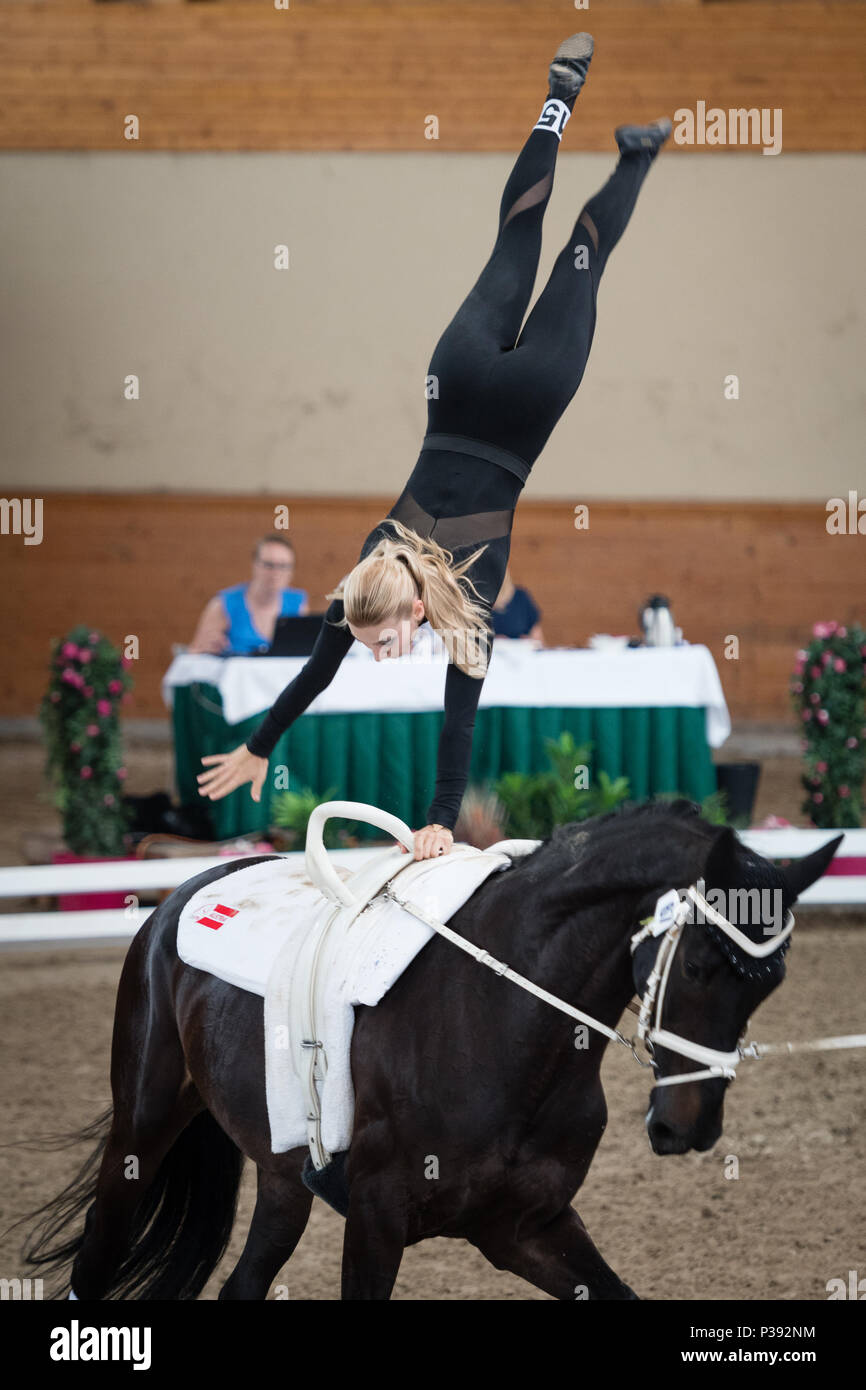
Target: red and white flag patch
<point>225,913</point>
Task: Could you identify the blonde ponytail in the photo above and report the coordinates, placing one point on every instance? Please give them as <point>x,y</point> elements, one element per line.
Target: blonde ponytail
<point>385,583</point>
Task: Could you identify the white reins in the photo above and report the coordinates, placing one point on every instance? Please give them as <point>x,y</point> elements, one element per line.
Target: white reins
<point>667,921</point>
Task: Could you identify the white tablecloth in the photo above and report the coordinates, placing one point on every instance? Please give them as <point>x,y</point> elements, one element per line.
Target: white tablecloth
<point>518,676</point>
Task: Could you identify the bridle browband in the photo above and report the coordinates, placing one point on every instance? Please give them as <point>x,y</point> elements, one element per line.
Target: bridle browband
<point>668,919</point>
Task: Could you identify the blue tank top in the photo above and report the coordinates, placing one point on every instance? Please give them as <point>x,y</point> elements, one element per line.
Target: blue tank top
<point>518,617</point>
<point>242,634</point>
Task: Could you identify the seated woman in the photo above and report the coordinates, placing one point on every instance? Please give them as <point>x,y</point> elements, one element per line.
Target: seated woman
<point>242,619</point>
<point>515,613</point>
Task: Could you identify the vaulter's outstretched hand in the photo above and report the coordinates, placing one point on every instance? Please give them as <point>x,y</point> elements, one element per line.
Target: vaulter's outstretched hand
<point>231,770</point>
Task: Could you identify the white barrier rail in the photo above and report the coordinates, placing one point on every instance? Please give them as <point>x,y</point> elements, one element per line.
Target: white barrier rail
<point>129,876</point>
<point>789,842</point>
<point>135,875</point>
<point>833,890</point>
<point>147,875</point>
<point>65,928</point>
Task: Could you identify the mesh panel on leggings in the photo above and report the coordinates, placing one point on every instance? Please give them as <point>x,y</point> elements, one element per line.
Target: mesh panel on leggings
<point>452,531</point>
<point>531,198</point>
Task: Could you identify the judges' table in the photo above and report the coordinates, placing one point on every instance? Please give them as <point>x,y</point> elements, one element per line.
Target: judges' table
<point>652,715</point>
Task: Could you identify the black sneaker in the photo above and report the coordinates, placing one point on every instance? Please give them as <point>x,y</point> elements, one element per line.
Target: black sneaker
<point>569,67</point>
<point>651,137</point>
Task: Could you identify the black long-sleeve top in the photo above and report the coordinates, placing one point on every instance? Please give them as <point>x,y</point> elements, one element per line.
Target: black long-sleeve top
<point>463,502</point>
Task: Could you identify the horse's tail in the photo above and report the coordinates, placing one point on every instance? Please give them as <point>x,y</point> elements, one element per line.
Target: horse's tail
<point>180,1229</point>
<point>59,1214</point>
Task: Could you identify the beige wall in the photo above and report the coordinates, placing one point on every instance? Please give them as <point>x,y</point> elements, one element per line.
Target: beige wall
<point>311,381</point>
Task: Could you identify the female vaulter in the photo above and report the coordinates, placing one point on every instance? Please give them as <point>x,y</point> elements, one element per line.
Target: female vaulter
<point>499,397</point>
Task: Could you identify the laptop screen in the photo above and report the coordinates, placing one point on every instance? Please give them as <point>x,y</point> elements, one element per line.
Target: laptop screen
<point>296,636</point>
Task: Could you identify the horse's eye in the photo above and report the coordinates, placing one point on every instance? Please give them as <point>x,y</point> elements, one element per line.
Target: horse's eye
<point>693,971</point>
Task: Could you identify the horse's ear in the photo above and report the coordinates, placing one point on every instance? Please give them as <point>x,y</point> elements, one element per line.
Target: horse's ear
<point>804,871</point>
<point>720,865</point>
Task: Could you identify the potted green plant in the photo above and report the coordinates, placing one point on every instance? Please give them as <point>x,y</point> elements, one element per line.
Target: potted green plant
<point>290,815</point>
<point>828,691</point>
<point>80,717</point>
<point>535,802</point>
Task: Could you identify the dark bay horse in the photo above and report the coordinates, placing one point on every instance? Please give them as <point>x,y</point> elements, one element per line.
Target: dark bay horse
<point>457,1073</point>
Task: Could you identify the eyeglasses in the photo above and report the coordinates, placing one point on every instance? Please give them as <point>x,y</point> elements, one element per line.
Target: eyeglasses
<point>276,564</point>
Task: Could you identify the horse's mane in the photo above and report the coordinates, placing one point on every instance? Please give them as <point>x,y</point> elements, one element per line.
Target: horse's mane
<point>678,808</point>
<point>630,845</point>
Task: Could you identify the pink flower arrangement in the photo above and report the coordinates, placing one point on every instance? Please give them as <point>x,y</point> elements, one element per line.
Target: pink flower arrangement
<point>80,716</point>
<point>828,690</point>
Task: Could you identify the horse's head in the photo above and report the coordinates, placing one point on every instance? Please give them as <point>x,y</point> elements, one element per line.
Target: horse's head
<point>702,977</point>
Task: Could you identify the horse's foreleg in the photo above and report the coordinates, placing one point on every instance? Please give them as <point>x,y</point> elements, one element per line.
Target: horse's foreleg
<point>282,1211</point>
<point>375,1235</point>
<point>559,1258</point>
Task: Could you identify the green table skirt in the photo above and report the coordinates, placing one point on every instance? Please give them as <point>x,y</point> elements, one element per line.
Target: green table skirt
<point>389,760</point>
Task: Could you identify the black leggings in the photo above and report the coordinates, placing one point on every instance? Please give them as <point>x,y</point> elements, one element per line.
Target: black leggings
<point>500,390</point>
<point>510,391</point>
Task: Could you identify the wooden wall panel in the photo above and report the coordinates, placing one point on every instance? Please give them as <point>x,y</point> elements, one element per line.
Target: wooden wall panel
<point>146,564</point>
<point>364,74</point>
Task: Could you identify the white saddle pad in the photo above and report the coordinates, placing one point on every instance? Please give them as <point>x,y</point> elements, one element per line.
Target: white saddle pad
<point>249,928</point>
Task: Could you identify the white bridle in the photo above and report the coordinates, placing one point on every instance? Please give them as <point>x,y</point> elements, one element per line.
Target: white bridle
<point>668,920</point>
